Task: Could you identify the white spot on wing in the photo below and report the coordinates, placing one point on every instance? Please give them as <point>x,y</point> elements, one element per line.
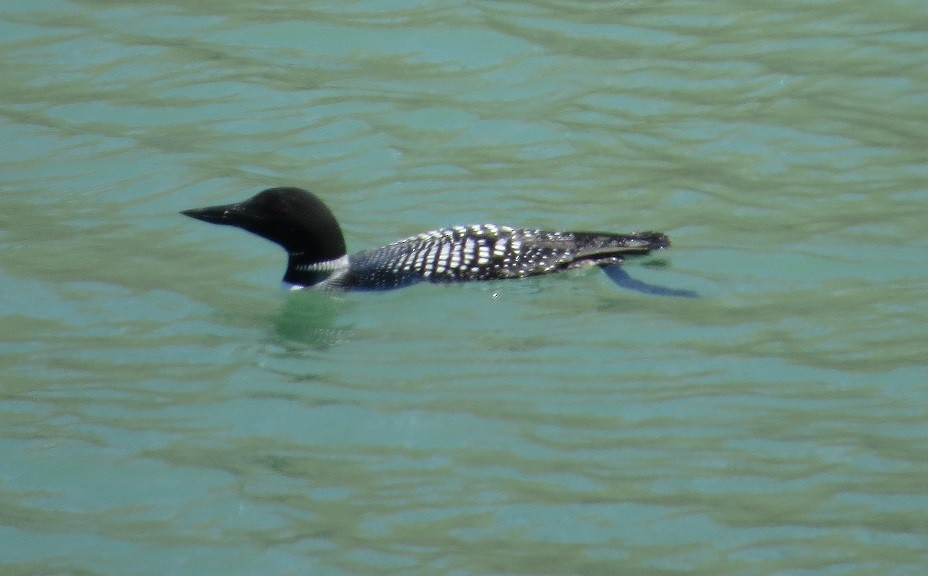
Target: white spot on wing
<point>469,248</point>
<point>441,259</point>
<point>484,254</point>
<point>500,247</point>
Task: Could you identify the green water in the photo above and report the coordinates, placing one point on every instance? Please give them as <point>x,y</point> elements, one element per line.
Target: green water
<point>166,409</point>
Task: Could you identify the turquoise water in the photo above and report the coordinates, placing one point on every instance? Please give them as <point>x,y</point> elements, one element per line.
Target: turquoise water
<point>166,409</point>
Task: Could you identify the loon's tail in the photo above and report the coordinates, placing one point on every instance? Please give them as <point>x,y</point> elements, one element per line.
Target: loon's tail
<point>609,250</point>
<point>590,245</point>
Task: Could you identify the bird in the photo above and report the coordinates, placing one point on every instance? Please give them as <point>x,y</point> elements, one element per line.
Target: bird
<point>302,224</point>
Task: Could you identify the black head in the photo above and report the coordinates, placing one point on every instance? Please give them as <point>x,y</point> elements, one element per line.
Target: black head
<point>291,217</point>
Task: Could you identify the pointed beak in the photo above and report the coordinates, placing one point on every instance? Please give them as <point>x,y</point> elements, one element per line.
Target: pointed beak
<point>224,214</point>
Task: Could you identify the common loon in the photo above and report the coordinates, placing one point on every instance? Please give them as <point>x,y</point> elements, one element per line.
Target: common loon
<point>305,227</point>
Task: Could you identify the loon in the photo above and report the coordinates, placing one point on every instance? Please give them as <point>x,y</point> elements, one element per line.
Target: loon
<point>304,226</point>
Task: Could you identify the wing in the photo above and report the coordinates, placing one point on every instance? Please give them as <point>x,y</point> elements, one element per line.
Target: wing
<point>488,252</point>
<point>461,253</point>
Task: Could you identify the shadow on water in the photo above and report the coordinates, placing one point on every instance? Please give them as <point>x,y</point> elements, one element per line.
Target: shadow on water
<point>316,319</point>
<point>618,275</point>
<point>310,319</point>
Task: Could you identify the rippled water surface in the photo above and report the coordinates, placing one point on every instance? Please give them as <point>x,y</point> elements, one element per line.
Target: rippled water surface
<point>167,409</point>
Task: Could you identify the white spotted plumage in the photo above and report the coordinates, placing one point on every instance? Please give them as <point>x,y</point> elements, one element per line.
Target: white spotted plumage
<point>476,252</point>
